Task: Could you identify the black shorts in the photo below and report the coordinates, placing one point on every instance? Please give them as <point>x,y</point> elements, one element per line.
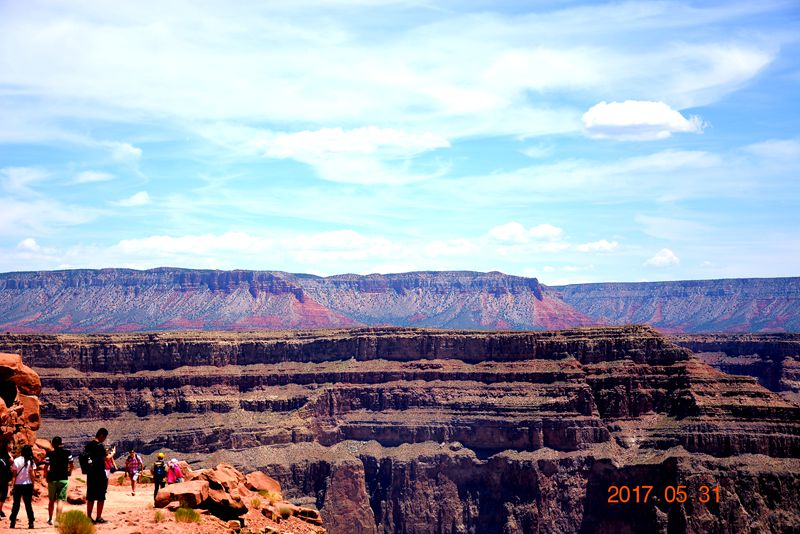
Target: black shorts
<point>4,489</point>
<point>96,486</point>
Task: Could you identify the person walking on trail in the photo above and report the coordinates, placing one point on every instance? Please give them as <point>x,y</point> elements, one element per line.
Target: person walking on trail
<point>24,468</point>
<point>159,474</point>
<point>57,467</point>
<point>96,478</point>
<point>5,472</point>
<point>133,466</point>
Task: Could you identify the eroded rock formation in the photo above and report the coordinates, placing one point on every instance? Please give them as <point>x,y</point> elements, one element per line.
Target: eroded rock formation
<point>773,359</point>
<point>405,430</point>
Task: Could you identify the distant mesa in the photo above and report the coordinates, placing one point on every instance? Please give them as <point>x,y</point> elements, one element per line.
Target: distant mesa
<point>126,300</point>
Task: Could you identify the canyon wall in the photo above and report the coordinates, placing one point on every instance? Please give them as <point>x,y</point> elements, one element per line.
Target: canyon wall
<point>423,431</point>
<point>773,359</point>
<point>126,300</point>
<point>736,305</point>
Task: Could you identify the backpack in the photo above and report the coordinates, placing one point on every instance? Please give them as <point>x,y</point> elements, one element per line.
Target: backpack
<point>159,469</point>
<point>85,462</point>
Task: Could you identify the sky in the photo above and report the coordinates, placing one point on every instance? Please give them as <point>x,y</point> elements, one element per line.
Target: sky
<point>569,141</point>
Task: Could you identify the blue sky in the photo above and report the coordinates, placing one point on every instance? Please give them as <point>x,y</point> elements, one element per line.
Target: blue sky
<point>571,141</point>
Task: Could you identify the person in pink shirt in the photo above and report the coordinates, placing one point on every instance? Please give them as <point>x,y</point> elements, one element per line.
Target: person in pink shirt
<point>174,473</point>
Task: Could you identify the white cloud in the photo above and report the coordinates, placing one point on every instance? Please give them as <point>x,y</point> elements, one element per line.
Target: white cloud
<point>307,144</point>
<point>602,245</point>
<point>634,120</point>
<point>124,152</point>
<point>514,232</point>
<point>362,155</point>
<point>137,199</point>
<point>86,177</point>
<point>17,180</point>
<point>776,149</point>
<point>663,258</point>
<point>454,74</point>
<point>29,245</point>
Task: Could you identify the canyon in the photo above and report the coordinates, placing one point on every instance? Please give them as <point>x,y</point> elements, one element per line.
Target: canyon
<point>127,300</point>
<point>415,430</point>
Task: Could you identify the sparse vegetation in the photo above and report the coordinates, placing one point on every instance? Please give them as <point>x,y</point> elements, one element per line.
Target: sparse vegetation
<point>79,479</point>
<point>121,480</point>
<point>285,512</point>
<point>158,517</point>
<point>145,479</point>
<point>255,503</point>
<point>75,522</point>
<point>271,496</point>
<point>186,515</point>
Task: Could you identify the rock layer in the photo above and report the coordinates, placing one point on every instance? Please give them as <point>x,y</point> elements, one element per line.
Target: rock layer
<point>773,359</point>
<point>410,430</point>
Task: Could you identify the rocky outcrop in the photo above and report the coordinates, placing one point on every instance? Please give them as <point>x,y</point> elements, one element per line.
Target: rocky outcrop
<point>19,409</point>
<point>773,359</point>
<point>410,430</point>
<point>736,305</point>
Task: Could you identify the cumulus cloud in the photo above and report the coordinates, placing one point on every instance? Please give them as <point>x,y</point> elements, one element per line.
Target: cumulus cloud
<point>602,245</point>
<point>86,177</point>
<point>637,120</point>
<point>29,245</point>
<point>663,258</point>
<point>137,199</point>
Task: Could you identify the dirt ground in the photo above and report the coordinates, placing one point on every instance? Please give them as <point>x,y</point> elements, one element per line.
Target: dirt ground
<point>129,514</point>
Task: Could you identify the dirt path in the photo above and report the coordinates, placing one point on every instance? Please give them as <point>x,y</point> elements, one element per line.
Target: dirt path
<point>129,514</point>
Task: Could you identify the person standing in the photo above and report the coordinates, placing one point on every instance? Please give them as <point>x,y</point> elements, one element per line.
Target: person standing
<point>24,468</point>
<point>5,472</point>
<point>133,466</point>
<point>57,467</point>
<point>159,474</point>
<point>96,478</point>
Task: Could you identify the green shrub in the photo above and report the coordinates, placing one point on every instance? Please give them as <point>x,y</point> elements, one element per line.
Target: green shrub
<point>75,522</point>
<point>121,480</point>
<point>145,479</point>
<point>158,517</point>
<point>285,512</point>
<point>186,515</point>
<point>256,503</point>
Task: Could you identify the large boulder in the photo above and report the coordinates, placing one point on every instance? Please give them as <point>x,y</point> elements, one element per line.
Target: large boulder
<point>25,378</point>
<point>258,481</point>
<point>224,504</point>
<point>190,494</point>
<point>224,477</point>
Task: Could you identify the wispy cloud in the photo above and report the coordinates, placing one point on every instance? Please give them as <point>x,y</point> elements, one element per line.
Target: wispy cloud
<point>137,199</point>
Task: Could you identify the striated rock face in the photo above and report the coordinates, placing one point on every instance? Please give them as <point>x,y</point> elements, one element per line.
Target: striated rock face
<point>774,359</point>
<point>124,300</point>
<point>393,430</point>
<point>120,300</point>
<point>739,305</point>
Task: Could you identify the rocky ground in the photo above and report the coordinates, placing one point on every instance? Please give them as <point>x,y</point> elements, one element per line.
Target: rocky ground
<point>129,514</point>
